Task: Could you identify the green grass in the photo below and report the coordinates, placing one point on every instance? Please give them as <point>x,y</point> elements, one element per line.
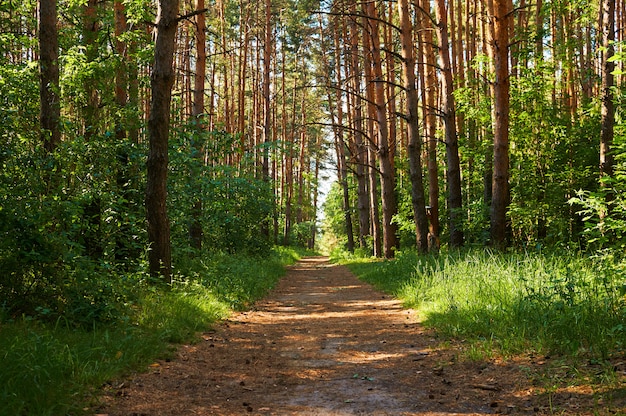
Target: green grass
<point>553,303</point>
<point>55,369</point>
<point>49,371</point>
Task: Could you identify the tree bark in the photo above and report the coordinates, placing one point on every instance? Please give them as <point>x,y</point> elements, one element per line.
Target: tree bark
<point>195,229</point>
<point>501,12</point>
<point>372,171</point>
<point>360,150</point>
<point>387,175</point>
<point>428,80</point>
<point>50,106</point>
<point>455,200</point>
<point>121,77</point>
<point>415,140</point>
<point>162,79</point>
<point>342,166</point>
<point>608,83</point>
<point>89,40</point>
<point>267,104</point>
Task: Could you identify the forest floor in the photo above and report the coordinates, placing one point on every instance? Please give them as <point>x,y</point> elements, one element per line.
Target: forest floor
<point>325,343</point>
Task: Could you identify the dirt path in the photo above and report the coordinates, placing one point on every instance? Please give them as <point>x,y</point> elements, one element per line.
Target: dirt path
<point>323,343</point>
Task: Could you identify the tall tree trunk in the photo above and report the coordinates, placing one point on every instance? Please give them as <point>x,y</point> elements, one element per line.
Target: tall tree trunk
<point>387,176</point>
<point>455,200</point>
<point>267,104</point>
<point>608,83</point>
<point>428,80</point>
<point>501,12</point>
<point>50,106</point>
<point>92,211</point>
<point>342,166</point>
<point>372,171</point>
<point>90,43</point>
<point>539,35</point>
<point>373,198</point>
<point>162,79</point>
<point>290,140</point>
<point>197,112</point>
<point>121,76</point>
<point>415,140</point>
<point>360,150</point>
<point>303,166</point>
<point>318,162</point>
<point>243,75</point>
<point>390,85</point>
<point>121,126</point>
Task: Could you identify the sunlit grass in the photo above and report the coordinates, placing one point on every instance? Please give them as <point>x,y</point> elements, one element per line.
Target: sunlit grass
<point>49,371</point>
<point>555,303</point>
<point>55,369</point>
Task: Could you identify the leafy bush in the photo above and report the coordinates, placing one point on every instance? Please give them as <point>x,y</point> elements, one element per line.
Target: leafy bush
<point>234,204</point>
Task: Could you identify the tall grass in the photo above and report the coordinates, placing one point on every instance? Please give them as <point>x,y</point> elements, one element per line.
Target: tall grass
<point>55,369</point>
<point>561,303</point>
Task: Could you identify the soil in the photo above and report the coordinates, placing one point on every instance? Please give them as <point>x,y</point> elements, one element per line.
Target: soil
<point>324,343</point>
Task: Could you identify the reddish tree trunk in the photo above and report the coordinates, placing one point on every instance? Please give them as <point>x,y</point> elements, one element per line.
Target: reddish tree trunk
<point>501,12</point>
<point>195,229</point>
<point>415,140</point>
<point>360,151</point>
<point>608,82</point>
<point>387,174</point>
<point>162,79</point>
<point>455,200</point>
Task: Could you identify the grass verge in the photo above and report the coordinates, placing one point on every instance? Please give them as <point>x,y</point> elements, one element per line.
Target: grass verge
<point>512,302</point>
<point>562,315</point>
<point>55,368</point>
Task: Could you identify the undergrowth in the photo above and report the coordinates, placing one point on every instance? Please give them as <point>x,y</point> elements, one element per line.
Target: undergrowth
<point>559,303</point>
<point>55,367</point>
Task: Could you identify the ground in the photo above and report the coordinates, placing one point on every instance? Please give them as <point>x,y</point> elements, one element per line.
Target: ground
<point>324,343</point>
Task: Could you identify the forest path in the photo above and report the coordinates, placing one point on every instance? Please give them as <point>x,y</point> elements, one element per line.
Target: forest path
<point>322,343</point>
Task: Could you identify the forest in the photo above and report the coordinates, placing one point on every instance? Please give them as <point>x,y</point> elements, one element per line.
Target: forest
<point>161,147</point>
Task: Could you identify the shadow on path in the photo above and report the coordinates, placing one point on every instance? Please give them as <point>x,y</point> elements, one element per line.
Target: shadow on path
<point>322,343</point>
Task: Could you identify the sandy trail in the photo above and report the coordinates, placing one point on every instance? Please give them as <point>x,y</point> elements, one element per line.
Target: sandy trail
<point>322,343</point>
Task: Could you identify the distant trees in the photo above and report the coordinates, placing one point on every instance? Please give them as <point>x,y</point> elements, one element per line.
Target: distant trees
<point>134,149</point>
<point>450,122</point>
<point>509,127</point>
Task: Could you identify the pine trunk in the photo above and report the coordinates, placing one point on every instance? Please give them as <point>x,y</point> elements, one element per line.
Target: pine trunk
<point>501,13</point>
<point>455,200</point>
<point>387,174</point>
<point>50,106</point>
<point>162,79</point>
<point>608,83</point>
<point>415,140</point>
<point>195,228</point>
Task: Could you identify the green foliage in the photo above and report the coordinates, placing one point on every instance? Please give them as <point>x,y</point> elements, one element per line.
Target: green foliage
<point>59,236</point>
<point>334,223</point>
<point>54,368</point>
<point>234,204</point>
<point>49,370</point>
<point>301,233</point>
<point>557,302</point>
<point>237,279</point>
<point>543,137</point>
<point>604,210</point>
